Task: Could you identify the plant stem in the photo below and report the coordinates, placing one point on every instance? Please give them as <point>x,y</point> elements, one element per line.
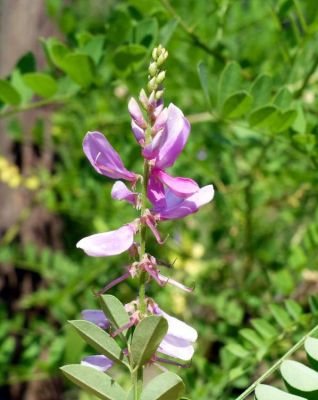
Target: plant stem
<point>31,106</point>
<point>138,382</point>
<point>251,388</point>
<point>143,275</point>
<point>138,375</point>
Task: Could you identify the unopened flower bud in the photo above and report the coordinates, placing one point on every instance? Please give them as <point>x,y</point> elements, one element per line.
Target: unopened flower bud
<point>152,100</point>
<point>159,94</point>
<point>143,99</point>
<point>152,84</point>
<point>162,58</point>
<point>152,69</point>
<point>136,113</point>
<point>154,53</point>
<point>161,76</point>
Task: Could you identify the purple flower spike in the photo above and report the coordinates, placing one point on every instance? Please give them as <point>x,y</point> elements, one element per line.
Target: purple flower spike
<point>181,187</point>
<point>99,362</point>
<point>121,192</point>
<point>104,158</point>
<point>172,141</point>
<point>96,317</point>
<point>177,207</point>
<point>108,243</point>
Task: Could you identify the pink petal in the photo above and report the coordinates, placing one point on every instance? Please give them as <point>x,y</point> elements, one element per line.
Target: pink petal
<point>104,158</point>
<point>121,192</point>
<point>108,243</point>
<point>99,362</point>
<point>181,187</point>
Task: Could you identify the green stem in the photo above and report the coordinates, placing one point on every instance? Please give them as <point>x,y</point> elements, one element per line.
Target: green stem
<point>251,388</point>
<point>143,275</point>
<point>138,375</point>
<point>31,106</point>
<point>138,382</point>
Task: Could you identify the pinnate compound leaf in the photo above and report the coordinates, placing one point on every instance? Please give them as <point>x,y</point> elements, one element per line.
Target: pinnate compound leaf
<point>41,84</point>
<point>237,104</point>
<point>300,379</point>
<point>146,338</point>
<point>114,311</point>
<point>266,392</point>
<point>8,94</point>
<point>100,340</point>
<point>94,382</point>
<point>166,386</point>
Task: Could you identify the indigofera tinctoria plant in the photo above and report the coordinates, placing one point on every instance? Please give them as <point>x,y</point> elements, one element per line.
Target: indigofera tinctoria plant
<point>140,333</point>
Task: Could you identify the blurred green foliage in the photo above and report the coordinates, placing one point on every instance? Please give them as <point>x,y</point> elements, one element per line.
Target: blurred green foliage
<point>244,73</point>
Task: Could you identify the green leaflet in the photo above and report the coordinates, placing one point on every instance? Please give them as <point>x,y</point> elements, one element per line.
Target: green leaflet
<point>8,94</point>
<point>114,311</point>
<point>266,392</point>
<point>237,104</point>
<point>99,340</point>
<point>146,338</point>
<point>94,382</point>
<point>41,84</point>
<point>166,386</point>
<point>300,379</point>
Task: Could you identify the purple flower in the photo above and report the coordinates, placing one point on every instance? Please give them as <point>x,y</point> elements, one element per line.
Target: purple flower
<point>99,362</point>
<point>168,144</point>
<point>104,158</point>
<point>121,192</point>
<point>109,243</point>
<point>97,317</point>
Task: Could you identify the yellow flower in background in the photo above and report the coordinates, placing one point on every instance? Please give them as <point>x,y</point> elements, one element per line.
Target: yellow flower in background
<point>11,176</point>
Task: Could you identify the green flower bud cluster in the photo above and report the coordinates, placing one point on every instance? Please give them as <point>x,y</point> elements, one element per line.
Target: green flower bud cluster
<point>156,74</point>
